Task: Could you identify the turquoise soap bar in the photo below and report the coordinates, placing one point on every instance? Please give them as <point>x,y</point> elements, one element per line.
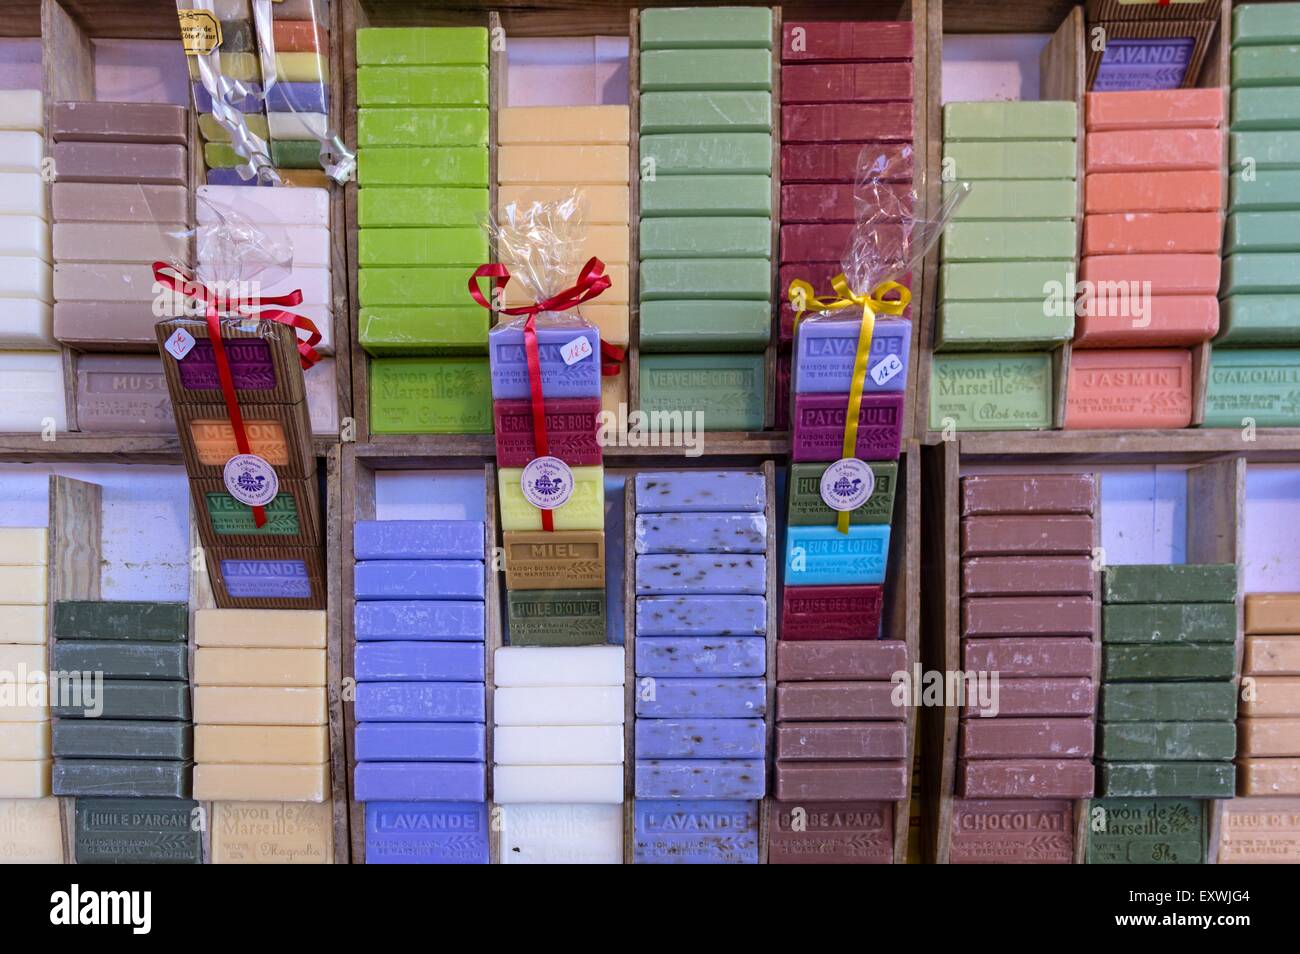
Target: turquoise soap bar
<point>1255,24</point>
<point>1268,149</point>
<point>705,326</point>
<point>1262,232</point>
<point>747,195</point>
<point>674,154</point>
<point>1266,190</point>
<point>1010,119</point>
<point>1259,384</point>
<point>999,199</point>
<point>1265,108</point>
<point>1265,66</point>
<point>1002,241</point>
<point>683,70</point>
<point>700,236</point>
<point>1261,273</point>
<point>723,111</point>
<point>1026,159</point>
<point>822,556</point>
<point>725,391</point>
<point>725,279</point>
<point>1258,320</point>
<point>706,28</point>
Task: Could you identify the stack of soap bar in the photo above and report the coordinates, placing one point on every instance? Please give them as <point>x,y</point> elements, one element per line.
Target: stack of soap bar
<point>297,103</point>
<point>1269,731</point>
<point>419,662</point>
<point>1148,831</point>
<point>701,646</point>
<point>423,170</point>
<point>1168,700</point>
<point>25,736</point>
<point>706,212</point>
<point>236,60</point>
<point>260,715</point>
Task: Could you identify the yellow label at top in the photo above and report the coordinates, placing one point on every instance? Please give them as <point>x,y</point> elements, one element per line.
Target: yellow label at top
<point>200,31</point>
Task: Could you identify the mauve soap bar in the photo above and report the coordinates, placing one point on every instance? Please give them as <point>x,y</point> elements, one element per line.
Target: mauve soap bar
<point>559,380</point>
<point>704,698</point>
<point>419,702</point>
<point>1028,494</point>
<point>1034,656</point>
<point>119,122</point>
<point>436,781</point>
<point>140,778</point>
<point>840,781</point>
<point>700,491</point>
<point>1027,576</point>
<point>667,533</point>
<point>835,660</point>
<point>819,426</point>
<point>1006,831</point>
<point>420,742</point>
<point>1025,535</point>
<point>825,349</point>
<point>831,612</point>
<point>1039,697</point>
<point>420,619</point>
<point>701,615</point>
<point>682,573</point>
<point>701,656</point>
<point>834,833</point>
<point>442,833</point>
<point>1025,778</point>
<point>396,661</point>
<point>672,832</point>
<point>125,202</point>
<point>841,740</point>
<point>837,702</point>
<point>571,429</point>
<point>418,540</point>
<point>700,738</point>
<point>1027,738</point>
<point>701,778</point>
<point>146,164</point>
<point>419,579</point>
<point>1027,616</point>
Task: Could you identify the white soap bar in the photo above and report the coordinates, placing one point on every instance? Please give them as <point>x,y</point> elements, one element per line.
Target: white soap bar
<point>552,784</point>
<point>26,275</point>
<point>21,151</point>
<point>559,666</point>
<point>310,245</point>
<point>25,235</point>
<point>31,831</point>
<point>322,397</point>
<point>263,206</point>
<point>22,109</point>
<point>31,394</point>
<point>572,705</point>
<point>25,779</point>
<point>23,546</point>
<point>25,740</point>
<point>22,663</point>
<point>24,585</point>
<point>298,125</point>
<point>22,193</point>
<point>23,624</point>
<point>574,834</point>
<point>35,709</point>
<point>314,283</point>
<point>558,745</point>
<point>27,323</point>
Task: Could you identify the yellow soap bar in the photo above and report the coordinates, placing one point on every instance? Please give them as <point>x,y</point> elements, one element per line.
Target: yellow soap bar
<point>212,130</point>
<point>616,294</point>
<point>22,663</point>
<point>1274,655</point>
<point>23,624</point>
<point>302,68</point>
<point>214,441</point>
<point>562,165</point>
<point>602,204</point>
<point>25,740</point>
<point>241,705</point>
<point>278,629</point>
<point>263,744</point>
<point>31,831</point>
<point>22,584</point>
<point>261,783</point>
<point>214,666</point>
<point>272,833</point>
<point>612,320</point>
<point>609,243</point>
<point>30,779</point>
<point>1271,696</point>
<point>613,391</point>
<point>563,124</point>
<point>235,66</point>
<point>23,546</point>
<point>585,510</point>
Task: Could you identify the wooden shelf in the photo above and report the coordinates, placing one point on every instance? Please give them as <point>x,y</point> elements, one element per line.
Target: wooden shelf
<point>1188,445</point>
<point>108,448</point>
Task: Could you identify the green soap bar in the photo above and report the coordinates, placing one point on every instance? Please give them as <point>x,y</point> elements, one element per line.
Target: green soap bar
<point>724,279</point>
<point>1037,159</point>
<point>430,396</point>
<point>1168,702</point>
<point>130,778</point>
<point>1266,66</point>
<point>698,112</point>
<point>1138,662</point>
<point>412,286</point>
<point>121,619</point>
<point>1262,232</point>
<point>130,699</point>
<point>807,509</point>
<point>1270,149</point>
<point>104,739</point>
<point>705,326</point>
<point>422,86</point>
<point>726,391</point>
<point>436,165</point>
<point>400,330</point>
<point>1167,779</point>
<point>707,196</point>
<point>422,126</point>
<point>991,392</point>
<point>707,237</point>
<point>1169,583</point>
<point>1258,320</point>
<point>1169,623</point>
<point>1013,119</point>
<point>1147,831</point>
<point>556,617</point>
<point>123,659</point>
<point>1008,241</point>
<point>1167,741</point>
<point>673,70</point>
<point>1261,273</point>
<point>675,154</point>
<point>1266,190</point>
<point>229,516</point>
<point>1000,325</point>
<point>706,28</point>
<point>221,155</point>
<point>1255,383</point>
<point>422,46</point>
<point>137,831</point>
<point>1007,281</point>
<point>999,199</point>
<point>1265,108</point>
<point>295,153</point>
<point>393,206</point>
<point>461,245</point>
<point>1256,24</point>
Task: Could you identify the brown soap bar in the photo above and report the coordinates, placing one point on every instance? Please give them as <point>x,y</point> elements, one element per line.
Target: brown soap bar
<point>1260,831</point>
<point>144,163</point>
<point>1267,777</point>
<point>840,781</point>
<point>119,122</point>
<point>837,833</point>
<point>1025,778</point>
<point>1271,696</point>
<point>1027,738</point>
<point>1022,535</point>
<point>1027,616</point>
<point>1272,655</point>
<point>569,560</point>
<point>1028,494</point>
<point>1273,613</point>
<point>1269,738</point>
<point>997,831</point>
<point>836,702</point>
<point>1039,697</point>
<point>1028,576</point>
<point>107,326</point>
<point>840,659</point>
<point>833,741</point>
<point>118,202</point>
<point>1034,656</point>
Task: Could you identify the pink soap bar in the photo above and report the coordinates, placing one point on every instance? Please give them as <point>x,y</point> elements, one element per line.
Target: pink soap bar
<point>123,393</point>
<point>1004,831</point>
<point>806,41</point>
<point>1155,109</point>
<point>1154,150</point>
<point>1198,191</point>
<point>846,82</point>
<point>1027,738</point>
<point>819,426</point>
<point>1122,233</point>
<point>1072,696</point>
<point>1025,778</point>
<point>833,202</point>
<point>867,660</point>
<point>1030,656</point>
<point>841,781</point>
<point>853,122</point>
<point>146,163</point>
<point>1027,616</point>
<point>1169,321</point>
<point>837,702</point>
<point>840,161</point>
<point>831,242</point>
<point>119,122</point>
<point>1140,389</point>
<point>1016,575</point>
<point>1179,274</point>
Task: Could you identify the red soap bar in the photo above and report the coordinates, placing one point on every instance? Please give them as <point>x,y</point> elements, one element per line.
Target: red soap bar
<point>1167,274</point>
<point>1025,778</point>
<point>831,612</point>
<point>1027,576</point>
<point>852,122</point>
<point>837,702</point>
<point>830,741</point>
<point>1024,534</point>
<point>1028,493</point>
<point>841,781</point>
<point>784,374</point>
<point>299,36</point>
<point>1153,150</point>
<point>805,41</point>
<point>1071,696</point>
<point>841,161</point>
<point>830,242</point>
<point>1154,109</point>
<point>1139,389</point>
<point>848,833</point>
<point>1027,616</point>
<point>1027,738</point>
<point>571,428</point>
<point>837,660</point>
<point>1046,656</point>
<point>1153,232</point>
<point>1002,831</point>
<point>846,82</point>
<point>1199,191</point>
<point>833,202</point>
<point>1166,321</point>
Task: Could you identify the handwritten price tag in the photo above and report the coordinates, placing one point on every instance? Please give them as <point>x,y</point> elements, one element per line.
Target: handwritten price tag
<point>575,350</point>
<point>886,370</point>
<point>179,344</point>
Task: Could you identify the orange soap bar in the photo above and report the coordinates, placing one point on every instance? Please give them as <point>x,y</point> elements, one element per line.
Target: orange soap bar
<point>1129,389</point>
<point>1197,191</point>
<point>1125,232</point>
<point>1273,613</point>
<point>1161,321</point>
<point>299,36</point>
<point>1272,655</point>
<point>1154,150</point>
<point>1154,109</point>
<point>1268,777</point>
<point>1272,696</point>
<point>1168,274</point>
<point>1271,738</point>
<point>214,441</point>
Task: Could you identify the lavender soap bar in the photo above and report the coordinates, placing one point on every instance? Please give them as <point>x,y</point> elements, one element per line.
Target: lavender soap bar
<point>701,615</point>
<point>699,738</point>
<point>418,540</point>
<point>668,533</point>
<point>695,832</point>
<point>560,379</point>
<point>419,579</point>
<point>667,574</point>
<point>434,833</point>
<point>700,491</point>
<point>420,619</point>
<point>827,348</point>
<point>397,661</point>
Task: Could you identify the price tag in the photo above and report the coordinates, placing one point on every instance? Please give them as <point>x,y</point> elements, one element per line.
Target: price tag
<point>575,350</point>
<point>179,344</point>
<point>886,369</point>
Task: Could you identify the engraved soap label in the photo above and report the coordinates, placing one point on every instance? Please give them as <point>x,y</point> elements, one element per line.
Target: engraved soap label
<point>251,480</point>
<point>547,483</point>
<point>847,484</point>
<point>179,344</point>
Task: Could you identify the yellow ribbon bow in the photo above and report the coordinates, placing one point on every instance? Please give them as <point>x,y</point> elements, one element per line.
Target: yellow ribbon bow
<point>803,298</point>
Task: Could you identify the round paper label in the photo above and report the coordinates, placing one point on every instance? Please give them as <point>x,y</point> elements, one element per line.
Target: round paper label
<point>847,484</point>
<point>251,480</point>
<point>547,483</point>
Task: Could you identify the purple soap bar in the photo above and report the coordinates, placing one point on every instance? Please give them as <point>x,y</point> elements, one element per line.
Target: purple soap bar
<point>671,832</point>
<point>418,540</point>
<point>703,698</point>
<point>272,579</point>
<point>421,742</point>
<point>559,380</point>
<point>700,778</point>
<point>231,177</point>
<point>701,533</point>
<point>1138,64</point>
<point>420,781</point>
<point>701,615</point>
<point>699,738</point>
<point>250,365</point>
<point>700,491</point>
<point>420,619</point>
<point>418,662</point>
<point>250,102</point>
<point>426,833</point>
<point>826,348</point>
<point>420,702</point>
<point>819,426</point>
<point>701,656</point>
<point>675,573</point>
<point>123,393</point>
<point>297,98</point>
<point>419,579</point>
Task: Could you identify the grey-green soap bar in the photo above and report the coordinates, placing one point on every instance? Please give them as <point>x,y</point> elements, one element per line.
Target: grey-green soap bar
<point>723,111</point>
<point>1000,199</point>
<point>102,619</point>
<point>1010,119</point>
<point>1038,159</point>
<point>1256,24</point>
<point>706,154</point>
<point>1167,741</point>
<point>136,831</point>
<point>1261,273</point>
<point>1266,149</point>
<point>991,392</point>
<point>124,659</point>
<point>1168,702</point>
<point>135,778</point>
<point>1265,190</point>
<point>1254,383</point>
<point>1167,779</point>
<point>1262,232</point>
<point>1138,662</point>
<point>1144,831</point>
<point>131,699</point>
<point>707,196</point>
<point>1258,320</point>
<point>705,326</point>
<point>1265,66</point>
<point>727,390</point>
<point>1170,583</point>
<point>706,28</point>
<point>691,70</point>
<point>747,279</point>
<point>1169,623</point>
<point>120,739</point>
<point>1001,325</point>
<point>1264,109</point>
<point>706,237</point>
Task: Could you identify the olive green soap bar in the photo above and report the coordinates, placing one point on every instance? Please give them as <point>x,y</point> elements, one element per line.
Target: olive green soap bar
<point>462,245</point>
<point>137,831</point>
<point>295,153</point>
<point>126,619</point>
<point>1137,662</point>
<point>422,46</point>
<point>1263,108</point>
<point>422,126</point>
<point>1167,741</point>
<point>705,326</point>
<point>725,390</point>
<point>434,166</point>
<point>1264,190</point>
<point>556,617</point>
<point>726,195</point>
<point>1008,281</point>
<point>1001,199</point>
<point>1258,320</point>
<point>415,330</point>
<point>107,739</point>
<point>1168,702</point>
<point>706,237</point>
<point>1010,119</point>
<point>1003,241</point>
<point>430,396</point>
<point>1170,583</point>
<point>420,207</point>
<point>1147,831</point>
<point>721,111</point>
<point>675,154</point>
<point>229,517</point>
<point>1001,325</point>
<point>1265,149</point>
<point>706,28</point>
<point>1266,66</point>
<point>412,286</point>
<point>713,69</point>
<point>991,392</point>
<point>422,86</point>
<point>808,509</point>
<point>1169,623</point>
<point>723,279</point>
<point>133,699</point>
<point>1253,383</point>
<point>1262,232</point>
<point>123,659</point>
<point>1037,159</point>
<point>1167,779</point>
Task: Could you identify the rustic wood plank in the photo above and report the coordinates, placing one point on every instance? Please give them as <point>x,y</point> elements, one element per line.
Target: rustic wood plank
<point>493,578</point>
<point>629,668</point>
<point>352,17</point>
<point>903,609</point>
<point>201,597</point>
<point>357,502</point>
<point>632,361</point>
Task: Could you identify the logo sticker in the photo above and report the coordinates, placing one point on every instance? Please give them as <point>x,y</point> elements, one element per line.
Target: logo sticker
<point>847,484</point>
<point>547,483</point>
<point>251,480</point>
